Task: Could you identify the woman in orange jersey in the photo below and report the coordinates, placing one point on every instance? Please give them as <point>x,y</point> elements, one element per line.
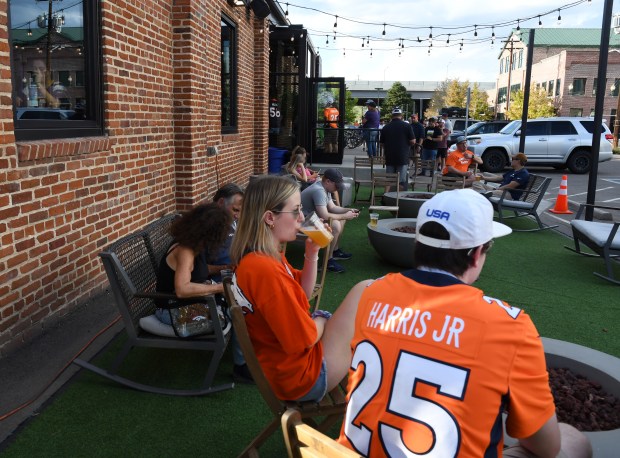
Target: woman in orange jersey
<point>302,355</point>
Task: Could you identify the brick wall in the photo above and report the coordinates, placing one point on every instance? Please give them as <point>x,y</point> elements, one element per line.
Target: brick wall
<point>62,201</point>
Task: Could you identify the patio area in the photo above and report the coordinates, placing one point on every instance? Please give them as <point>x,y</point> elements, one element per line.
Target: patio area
<point>92,416</point>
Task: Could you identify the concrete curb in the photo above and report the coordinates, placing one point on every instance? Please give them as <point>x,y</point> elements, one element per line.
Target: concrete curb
<point>598,214</point>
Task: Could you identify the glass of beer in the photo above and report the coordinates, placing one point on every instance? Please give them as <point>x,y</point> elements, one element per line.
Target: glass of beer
<point>314,228</point>
<point>374,217</point>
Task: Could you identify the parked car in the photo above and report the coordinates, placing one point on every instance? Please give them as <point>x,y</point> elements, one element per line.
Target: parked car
<point>43,113</point>
<point>459,123</point>
<point>482,127</point>
<point>557,142</point>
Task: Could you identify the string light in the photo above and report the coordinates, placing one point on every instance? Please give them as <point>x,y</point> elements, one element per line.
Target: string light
<point>362,42</point>
<point>493,32</point>
<point>475,30</point>
<point>518,24</point>
<point>539,21</point>
<point>336,22</point>
<point>29,31</point>
<point>559,17</point>
<point>448,40</point>
<point>368,40</point>
<point>326,40</point>
<point>383,29</point>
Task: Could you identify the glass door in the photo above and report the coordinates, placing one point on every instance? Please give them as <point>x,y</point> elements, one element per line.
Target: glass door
<point>326,120</point>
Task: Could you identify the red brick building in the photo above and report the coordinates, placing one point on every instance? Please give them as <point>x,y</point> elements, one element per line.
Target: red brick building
<point>150,90</point>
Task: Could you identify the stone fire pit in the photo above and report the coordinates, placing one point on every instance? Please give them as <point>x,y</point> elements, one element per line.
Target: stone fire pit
<point>394,247</point>
<point>409,202</point>
<point>596,366</point>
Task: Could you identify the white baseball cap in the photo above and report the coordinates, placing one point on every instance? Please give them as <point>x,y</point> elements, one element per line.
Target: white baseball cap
<point>465,214</point>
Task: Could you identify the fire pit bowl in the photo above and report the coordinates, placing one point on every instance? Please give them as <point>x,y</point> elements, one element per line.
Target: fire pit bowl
<point>392,246</point>
<point>596,366</point>
<point>409,202</point>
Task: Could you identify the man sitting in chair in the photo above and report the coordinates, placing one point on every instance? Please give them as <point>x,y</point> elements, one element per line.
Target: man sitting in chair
<point>516,179</point>
<point>458,162</point>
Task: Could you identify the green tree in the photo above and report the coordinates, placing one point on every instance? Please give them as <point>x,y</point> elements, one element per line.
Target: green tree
<point>479,104</point>
<point>456,94</point>
<point>397,96</point>
<point>438,100</point>
<point>351,113</point>
<point>539,105</point>
<point>453,93</point>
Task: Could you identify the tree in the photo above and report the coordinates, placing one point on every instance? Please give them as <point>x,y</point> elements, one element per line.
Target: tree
<point>479,104</point>
<point>397,96</point>
<point>456,94</point>
<point>350,108</point>
<point>438,100</point>
<point>453,93</point>
<point>539,105</point>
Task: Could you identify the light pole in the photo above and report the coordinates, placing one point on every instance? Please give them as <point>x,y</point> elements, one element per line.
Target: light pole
<point>617,119</point>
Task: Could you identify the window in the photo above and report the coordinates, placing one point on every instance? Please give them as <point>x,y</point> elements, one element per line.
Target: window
<point>229,76</point>
<point>501,66</point>
<point>501,95</point>
<point>52,97</point>
<point>515,88</point>
<point>579,86</point>
<point>592,112</point>
<point>594,86</point>
<point>557,87</point>
<point>616,88</point>
<point>576,112</point>
<point>544,86</point>
<point>520,58</point>
<point>563,128</point>
<point>550,92</point>
<point>536,128</point>
<point>514,60</point>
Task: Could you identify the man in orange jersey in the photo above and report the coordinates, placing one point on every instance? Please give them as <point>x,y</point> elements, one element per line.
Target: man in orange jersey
<point>459,160</point>
<point>332,116</point>
<point>436,362</point>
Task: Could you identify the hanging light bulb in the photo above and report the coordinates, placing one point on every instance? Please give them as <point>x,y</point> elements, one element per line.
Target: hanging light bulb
<point>292,38</point>
<point>430,35</point>
<point>336,22</point>
<point>371,53</point>
<point>539,21</point>
<point>398,53</point>
<point>429,52</point>
<point>29,31</point>
<point>518,24</point>
<point>344,53</point>
<point>383,29</point>
<point>368,40</point>
<point>475,30</point>
<point>448,40</point>
<point>492,31</point>
<point>286,12</point>
<point>559,17</point>
<point>326,40</point>
<point>334,36</point>
<point>362,42</point>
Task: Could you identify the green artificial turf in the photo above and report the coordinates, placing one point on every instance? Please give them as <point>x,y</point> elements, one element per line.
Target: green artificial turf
<point>97,418</point>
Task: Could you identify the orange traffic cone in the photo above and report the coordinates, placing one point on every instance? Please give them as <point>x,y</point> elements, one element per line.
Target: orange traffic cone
<point>561,203</point>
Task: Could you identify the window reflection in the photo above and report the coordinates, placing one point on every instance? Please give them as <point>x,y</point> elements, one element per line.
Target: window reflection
<point>48,62</point>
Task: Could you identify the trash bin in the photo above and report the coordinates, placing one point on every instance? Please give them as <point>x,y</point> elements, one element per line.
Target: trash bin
<point>275,159</point>
<point>346,193</point>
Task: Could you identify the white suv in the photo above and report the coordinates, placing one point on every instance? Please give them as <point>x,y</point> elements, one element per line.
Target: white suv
<point>558,142</point>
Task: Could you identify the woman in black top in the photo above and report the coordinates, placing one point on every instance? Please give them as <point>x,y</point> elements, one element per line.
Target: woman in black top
<point>183,270</point>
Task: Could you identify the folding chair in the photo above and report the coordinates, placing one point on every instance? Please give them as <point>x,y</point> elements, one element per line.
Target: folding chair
<point>304,441</point>
<point>447,183</point>
<point>383,180</point>
<point>362,173</point>
<point>422,181</point>
<point>331,407</point>
<point>526,205</point>
<point>601,237</point>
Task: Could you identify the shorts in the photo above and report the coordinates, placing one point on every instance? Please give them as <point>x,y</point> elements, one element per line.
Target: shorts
<point>318,391</point>
<point>402,170</point>
<point>331,135</point>
<point>442,152</point>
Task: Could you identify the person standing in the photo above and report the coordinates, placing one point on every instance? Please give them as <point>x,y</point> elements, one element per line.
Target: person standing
<point>436,362</point>
<point>332,116</point>
<point>370,123</point>
<point>432,135</point>
<point>442,146</point>
<point>447,122</point>
<point>397,139</point>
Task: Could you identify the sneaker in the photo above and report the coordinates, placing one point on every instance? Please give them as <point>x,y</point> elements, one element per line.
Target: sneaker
<point>333,266</point>
<point>340,255</point>
<point>241,374</point>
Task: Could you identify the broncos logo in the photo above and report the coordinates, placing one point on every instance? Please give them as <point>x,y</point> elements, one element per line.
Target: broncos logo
<point>245,305</point>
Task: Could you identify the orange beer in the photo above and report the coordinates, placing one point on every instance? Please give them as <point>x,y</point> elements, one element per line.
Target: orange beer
<point>320,237</point>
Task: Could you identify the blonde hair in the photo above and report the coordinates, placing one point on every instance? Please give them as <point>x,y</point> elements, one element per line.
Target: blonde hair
<point>296,160</point>
<point>252,234</point>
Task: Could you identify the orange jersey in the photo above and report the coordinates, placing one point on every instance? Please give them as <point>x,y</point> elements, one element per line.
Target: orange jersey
<point>435,364</point>
<point>275,308</point>
<point>331,115</point>
<point>457,160</point>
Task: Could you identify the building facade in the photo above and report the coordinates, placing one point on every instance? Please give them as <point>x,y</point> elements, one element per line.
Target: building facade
<point>565,65</point>
<point>115,113</point>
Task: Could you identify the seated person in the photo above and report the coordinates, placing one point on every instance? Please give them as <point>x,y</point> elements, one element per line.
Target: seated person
<point>318,198</point>
<point>515,179</point>
<point>183,270</point>
<point>459,160</point>
<point>436,362</point>
<point>302,356</point>
<point>297,168</point>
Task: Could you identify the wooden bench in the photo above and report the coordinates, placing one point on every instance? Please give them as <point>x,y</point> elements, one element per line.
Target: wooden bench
<point>601,237</point>
<point>131,265</point>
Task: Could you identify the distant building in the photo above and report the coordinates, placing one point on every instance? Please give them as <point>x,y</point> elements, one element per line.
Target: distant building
<point>565,65</point>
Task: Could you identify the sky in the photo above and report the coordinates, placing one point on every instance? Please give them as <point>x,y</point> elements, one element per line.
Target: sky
<point>475,62</point>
